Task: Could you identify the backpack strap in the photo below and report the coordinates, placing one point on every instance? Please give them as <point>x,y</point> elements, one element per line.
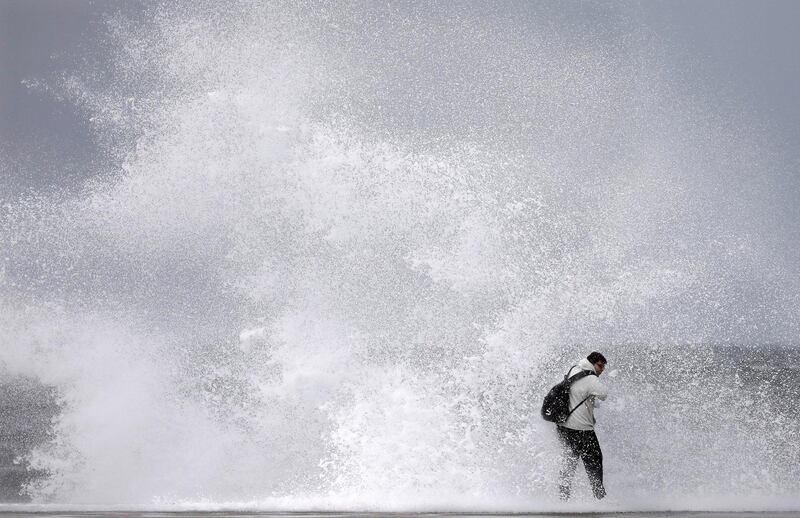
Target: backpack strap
<point>576,407</point>
<point>578,375</point>
<point>582,374</point>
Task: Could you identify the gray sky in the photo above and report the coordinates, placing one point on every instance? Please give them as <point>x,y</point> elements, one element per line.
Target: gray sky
<point>751,47</point>
<point>47,142</point>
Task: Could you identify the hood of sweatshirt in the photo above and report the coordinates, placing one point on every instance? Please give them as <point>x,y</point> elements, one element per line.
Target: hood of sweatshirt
<point>584,364</point>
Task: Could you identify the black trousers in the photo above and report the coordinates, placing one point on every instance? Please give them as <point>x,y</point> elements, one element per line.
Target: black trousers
<point>580,444</point>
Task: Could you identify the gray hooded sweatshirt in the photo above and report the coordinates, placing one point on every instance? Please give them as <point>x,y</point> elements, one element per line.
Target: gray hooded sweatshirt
<point>590,386</point>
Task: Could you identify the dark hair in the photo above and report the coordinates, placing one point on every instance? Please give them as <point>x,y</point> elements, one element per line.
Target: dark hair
<point>595,357</point>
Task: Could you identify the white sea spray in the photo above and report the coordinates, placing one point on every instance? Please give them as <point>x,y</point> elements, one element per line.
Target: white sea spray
<point>346,250</point>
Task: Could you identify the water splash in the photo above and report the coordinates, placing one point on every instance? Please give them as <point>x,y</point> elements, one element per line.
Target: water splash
<point>345,250</point>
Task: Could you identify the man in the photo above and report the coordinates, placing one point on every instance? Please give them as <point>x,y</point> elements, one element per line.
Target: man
<point>576,434</point>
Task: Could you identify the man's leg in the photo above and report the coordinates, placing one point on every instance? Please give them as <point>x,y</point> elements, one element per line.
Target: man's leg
<point>593,461</point>
<point>569,461</point>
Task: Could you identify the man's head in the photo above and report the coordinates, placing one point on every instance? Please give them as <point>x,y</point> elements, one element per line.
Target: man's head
<point>598,361</point>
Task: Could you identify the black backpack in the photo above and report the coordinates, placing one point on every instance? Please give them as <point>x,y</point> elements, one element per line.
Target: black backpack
<point>555,407</point>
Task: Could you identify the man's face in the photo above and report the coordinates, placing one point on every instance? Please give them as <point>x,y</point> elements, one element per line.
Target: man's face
<point>599,367</point>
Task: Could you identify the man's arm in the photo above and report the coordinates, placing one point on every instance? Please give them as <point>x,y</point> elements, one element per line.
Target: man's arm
<point>598,390</point>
